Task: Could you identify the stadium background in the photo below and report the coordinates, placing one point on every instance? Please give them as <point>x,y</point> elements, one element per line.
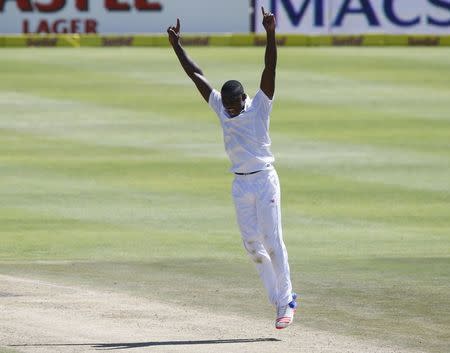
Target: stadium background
<point>301,22</point>
<point>113,178</point>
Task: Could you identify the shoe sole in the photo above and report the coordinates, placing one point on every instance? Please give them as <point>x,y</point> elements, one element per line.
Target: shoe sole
<point>282,327</point>
<point>286,324</point>
<point>294,297</point>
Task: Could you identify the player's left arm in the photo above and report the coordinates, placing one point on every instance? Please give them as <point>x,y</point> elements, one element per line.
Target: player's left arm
<point>267,84</point>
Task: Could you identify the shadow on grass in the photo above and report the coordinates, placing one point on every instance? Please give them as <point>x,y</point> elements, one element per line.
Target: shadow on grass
<point>128,345</point>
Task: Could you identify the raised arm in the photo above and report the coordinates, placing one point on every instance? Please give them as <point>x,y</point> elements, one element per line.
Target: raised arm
<point>191,68</point>
<point>267,84</point>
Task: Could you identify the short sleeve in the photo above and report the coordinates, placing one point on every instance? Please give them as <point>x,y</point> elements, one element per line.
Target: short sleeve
<point>215,101</point>
<point>263,102</point>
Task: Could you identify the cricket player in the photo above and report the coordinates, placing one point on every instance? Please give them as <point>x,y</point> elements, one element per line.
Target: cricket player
<point>256,188</point>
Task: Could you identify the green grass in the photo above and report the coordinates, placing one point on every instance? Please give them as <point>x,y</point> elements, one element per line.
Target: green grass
<point>7,350</point>
<point>113,174</point>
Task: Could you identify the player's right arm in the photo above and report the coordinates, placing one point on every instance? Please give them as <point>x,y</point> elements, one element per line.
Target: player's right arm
<point>191,69</point>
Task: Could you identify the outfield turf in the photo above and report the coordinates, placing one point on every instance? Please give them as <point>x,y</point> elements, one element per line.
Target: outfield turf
<point>7,350</point>
<point>113,174</point>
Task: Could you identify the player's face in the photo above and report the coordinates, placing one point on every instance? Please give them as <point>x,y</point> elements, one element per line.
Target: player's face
<point>233,106</point>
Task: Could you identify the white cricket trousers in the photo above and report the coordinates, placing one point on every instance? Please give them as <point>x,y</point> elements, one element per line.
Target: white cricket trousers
<point>257,201</point>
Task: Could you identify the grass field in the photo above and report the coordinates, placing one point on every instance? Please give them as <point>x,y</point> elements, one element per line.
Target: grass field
<point>113,175</point>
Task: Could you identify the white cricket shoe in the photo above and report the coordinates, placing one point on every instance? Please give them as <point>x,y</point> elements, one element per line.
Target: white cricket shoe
<point>285,314</point>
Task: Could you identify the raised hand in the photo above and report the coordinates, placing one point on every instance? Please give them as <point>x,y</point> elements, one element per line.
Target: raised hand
<point>174,33</point>
<point>268,20</point>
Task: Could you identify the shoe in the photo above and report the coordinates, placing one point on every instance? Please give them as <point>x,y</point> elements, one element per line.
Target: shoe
<point>285,314</point>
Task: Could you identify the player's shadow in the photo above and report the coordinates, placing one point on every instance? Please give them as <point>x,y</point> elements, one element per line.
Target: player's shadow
<point>128,345</point>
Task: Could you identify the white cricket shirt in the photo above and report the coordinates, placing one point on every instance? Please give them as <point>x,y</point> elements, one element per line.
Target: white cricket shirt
<point>246,136</point>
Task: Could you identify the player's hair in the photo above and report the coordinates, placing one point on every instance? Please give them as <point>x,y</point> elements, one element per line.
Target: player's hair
<point>232,89</point>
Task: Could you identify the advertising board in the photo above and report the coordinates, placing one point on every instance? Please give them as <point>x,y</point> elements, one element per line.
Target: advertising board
<point>357,16</point>
<point>122,16</point>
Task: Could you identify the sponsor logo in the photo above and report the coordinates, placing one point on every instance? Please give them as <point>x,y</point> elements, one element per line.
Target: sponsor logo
<point>197,41</point>
<point>41,42</point>
<point>347,40</point>
<point>52,6</point>
<point>117,41</point>
<point>426,41</point>
<point>71,25</point>
<point>61,26</point>
<point>434,13</point>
